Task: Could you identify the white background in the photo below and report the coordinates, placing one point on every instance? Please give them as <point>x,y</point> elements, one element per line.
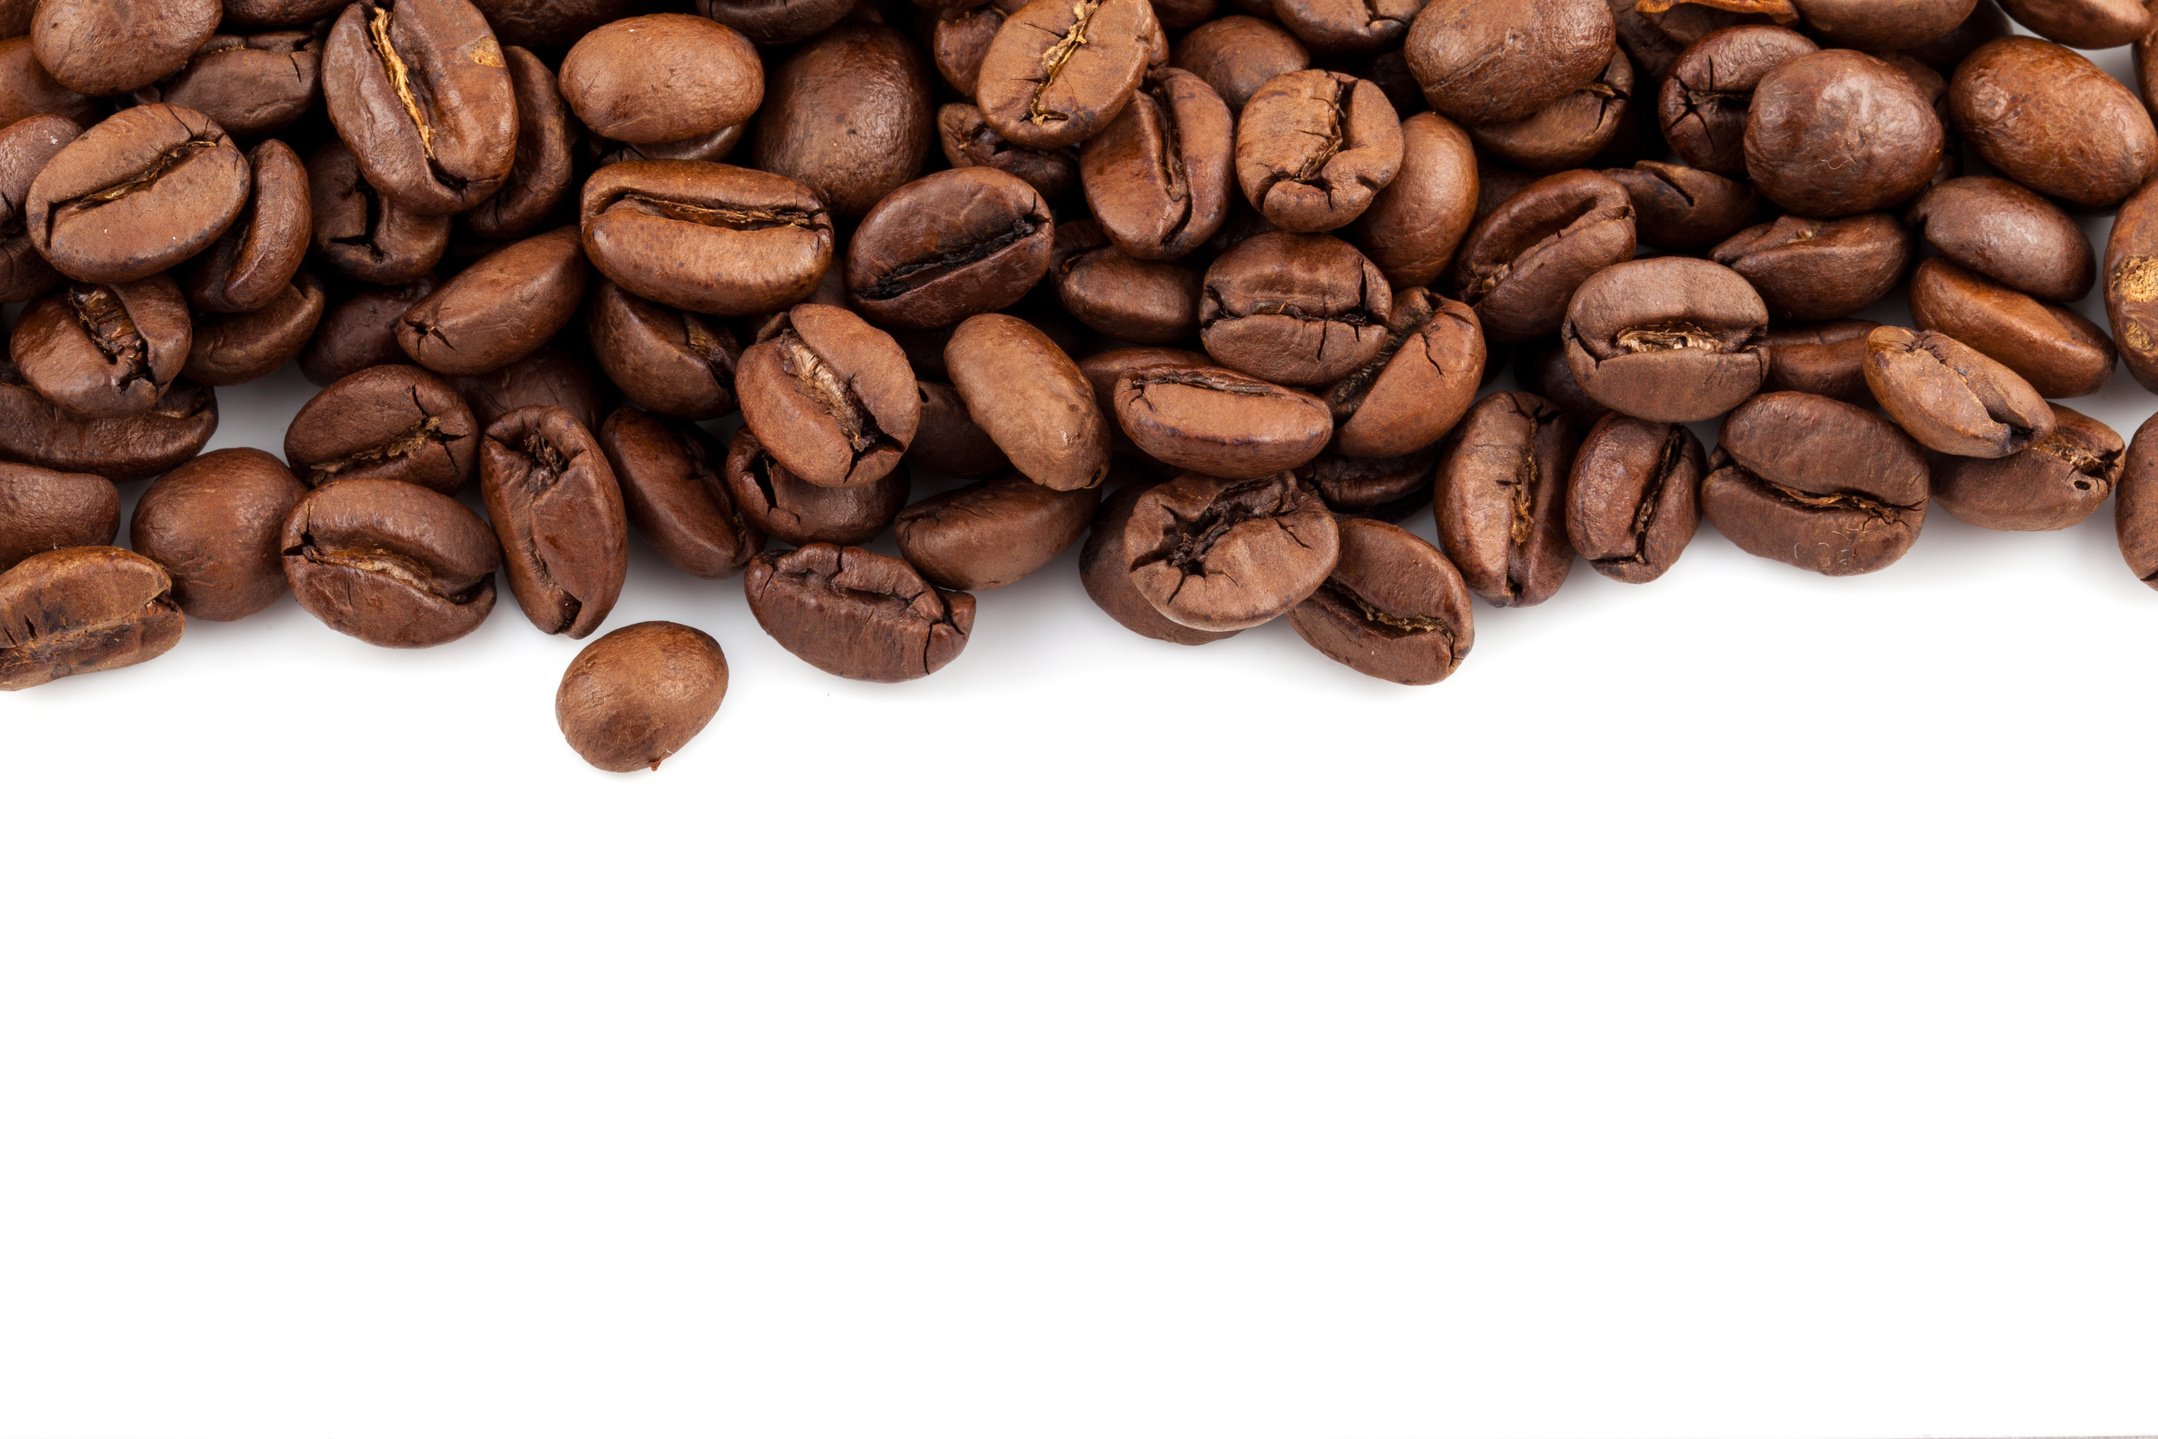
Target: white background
<point>1725,1006</point>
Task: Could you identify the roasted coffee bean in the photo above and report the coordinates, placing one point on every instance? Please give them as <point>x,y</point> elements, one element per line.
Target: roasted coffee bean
<point>1237,54</point>
<point>1395,608</point>
<point>252,85</point>
<point>392,422</point>
<point>1669,339</point>
<point>777,502</point>
<point>552,376</point>
<point>1656,38</point>
<point>2056,482</point>
<point>359,332</point>
<point>2135,511</point>
<point>1825,359</point>
<point>1159,177</point>
<point>1481,63</point>
<point>26,90</point>
<point>717,239</point>
<point>656,79</point>
<point>1058,71</point>
<point>1108,579</point>
<point>858,615</point>
<point>2049,119</point>
<point>363,236</point>
<point>1416,386</point>
<point>848,115</point>
<point>1315,148</point>
<point>547,24</point>
<point>1677,208</point>
<point>675,492</point>
<point>1810,271</point>
<point>136,194</point>
<point>2057,350</point>
<point>961,35</point>
<point>2008,235</point>
<point>389,563</point>
<point>2085,24</point>
<point>1104,368</point>
<point>992,533</point>
<point>775,22</point>
<point>545,168</point>
<point>1573,129</point>
<point>43,509</point>
<point>1816,483</point>
<point>1633,497</point>
<point>1216,554</point>
<point>948,442</point>
<point>1704,101</point>
<point>1870,25</point>
<point>634,697</point>
<point>1950,398</point>
<point>217,524</point>
<point>554,499</point>
<point>35,430</point>
<point>253,14</point>
<point>1143,302</point>
<point>1347,27</point>
<point>949,245</point>
<point>26,147</point>
<point>2131,273</point>
<point>1414,225</point>
<point>79,611</point>
<point>1294,309</point>
<point>420,93</point>
<point>255,261</point>
<point>1502,498</point>
<point>1520,265</point>
<point>104,351</point>
<point>669,361</point>
<point>1797,143</point>
<point>830,396</point>
<point>100,47</point>
<point>967,141</point>
<point>1540,367</point>
<point>704,149</point>
<point>1220,423</point>
<point>499,310</point>
<point>1028,396</point>
<point>235,349</point>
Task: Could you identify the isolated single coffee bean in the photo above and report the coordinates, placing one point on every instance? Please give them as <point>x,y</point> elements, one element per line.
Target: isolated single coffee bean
<point>1810,271</point>
<point>1058,71</point>
<point>2007,234</point>
<point>136,194</point>
<point>1479,63</point>
<point>829,395</point>
<point>2048,118</point>
<point>217,526</point>
<point>1520,265</point>
<point>421,94</point>
<point>951,244</point>
<point>554,500</point>
<point>857,614</point>
<point>104,351</point>
<point>634,697</point>
<point>79,611</point>
<point>1315,148</point>
<point>498,310</point>
<point>390,422</point>
<point>2051,484</point>
<point>1395,608</point>
<point>1501,498</point>
<point>1418,383</point>
<point>134,447</point>
<point>1029,397</point>
<point>992,533</point>
<point>1816,483</point>
<point>1950,398</point>
<point>390,563</point>
<point>1229,554</point>
<point>652,79</point>
<point>713,238</point>
<point>2057,350</point>
<point>775,501</point>
<point>675,493</point>
<point>43,509</point>
<point>1670,339</point>
<point>1219,423</point>
<point>1633,497</point>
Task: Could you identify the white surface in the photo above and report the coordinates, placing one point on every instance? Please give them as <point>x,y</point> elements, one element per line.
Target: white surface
<point>1724,1007</point>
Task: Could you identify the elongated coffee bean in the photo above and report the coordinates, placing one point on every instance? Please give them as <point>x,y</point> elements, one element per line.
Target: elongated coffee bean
<point>136,194</point>
<point>1395,608</point>
<point>421,93</point>
<point>1501,498</point>
<point>556,504</point>
<point>857,614</point>
<point>717,239</point>
<point>390,563</point>
<point>78,611</point>
<point>829,395</point>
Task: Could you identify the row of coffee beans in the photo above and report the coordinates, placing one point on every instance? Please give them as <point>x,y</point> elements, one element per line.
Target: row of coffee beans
<point>1216,290</point>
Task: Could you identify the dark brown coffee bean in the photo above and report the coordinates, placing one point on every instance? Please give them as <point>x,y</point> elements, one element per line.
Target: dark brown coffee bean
<point>1142,302</point>
<point>1158,178</point>
<point>634,697</point>
<point>2009,235</point>
<point>717,239</point>
<point>2056,482</point>
<point>103,47</point>
<point>420,93</point>
<point>259,14</point>
<point>255,261</point>
<point>217,524</point>
<point>389,563</point>
<point>80,611</point>
<point>1540,368</point>
<point>1825,359</point>
<point>392,422</point>
<point>665,360</point>
<point>1671,339</point>
<point>1221,423</point>
<point>26,147</point>
<point>967,140</point>
<point>848,115</point>
<point>501,309</point>
<point>776,22</point>
<point>359,332</point>
<point>961,35</point>
<point>1870,25</point>
<point>252,85</point>
<point>858,615</point>
<point>830,396</point>
<point>1347,27</point>
<point>1237,54</point>
<point>1520,265</point>
<point>43,509</point>
<point>1573,129</point>
<point>362,235</point>
<point>136,194</point>
<point>1656,38</point>
<point>2135,512</point>
<point>1705,99</point>
<point>655,79</point>
<point>1481,63</point>
<point>1387,488</point>
<point>1798,130</point>
<point>104,351</point>
<point>554,500</point>
<point>1315,148</point>
<point>709,149</point>
<point>1815,270</point>
<point>1680,209</point>
<point>676,496</point>
<point>1950,398</point>
<point>1108,579</point>
<point>2057,350</point>
<point>949,245</point>
<point>238,349</point>
<point>1395,608</point>
<point>2049,119</point>
<point>1294,309</point>
<point>1633,497</point>
<point>26,90</point>
<point>1229,554</point>
<point>992,533</point>
<point>1502,498</point>
<point>948,442</point>
<point>1416,386</point>
<point>2085,24</point>
<point>783,505</point>
<point>1816,483</point>
<point>1414,225</point>
<point>546,164</point>
<point>35,430</point>
<point>2131,273</point>
<point>1058,71</point>
<point>1027,395</point>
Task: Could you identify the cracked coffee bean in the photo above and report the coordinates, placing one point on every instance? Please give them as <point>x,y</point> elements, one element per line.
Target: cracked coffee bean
<point>1950,398</point>
<point>1670,339</point>
<point>1501,498</point>
<point>2051,484</point>
<point>857,614</point>
<point>1418,383</point>
<point>1315,148</point>
<point>1059,71</point>
<point>1633,497</point>
<point>830,397</point>
<point>1229,554</point>
<point>1520,265</point>
<point>557,507</point>
<point>362,235</point>
<point>1160,177</point>
<point>1395,608</point>
<point>136,194</point>
<point>131,447</point>
<point>775,501</point>
<point>1816,483</point>
<point>634,697</point>
<point>257,259</point>
<point>253,85</point>
<point>390,422</point>
<point>1294,309</point>
<point>104,351</point>
<point>420,92</point>
<point>1706,98</point>
<point>80,611</point>
<point>390,563</point>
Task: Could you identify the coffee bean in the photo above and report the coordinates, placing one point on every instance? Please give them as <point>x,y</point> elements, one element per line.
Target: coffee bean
<point>1294,309</point>
<point>43,509</point>
<point>1414,226</point>
<point>1416,386</point>
<point>1825,359</point>
<point>659,78</point>
<point>1520,264</point>
<point>949,245</point>
<point>500,309</point>
<point>2006,234</point>
<point>390,563</point>
<point>27,90</point>
<point>717,239</point>
<point>1220,423</point>
<point>669,361</point>
<point>2085,24</point>
<point>136,194</point>
<point>2135,511</point>
<point>255,261</point>
<point>1028,396</point>
<point>948,442</point>
<point>547,24</point>
<point>830,396</point>
<point>554,499</point>
<point>1669,339</point>
<point>676,495</point>
<point>358,332</point>
<point>2055,482</point>
<point>239,349</point>
<point>1348,27</point>
<point>79,611</point>
<point>967,141</point>
<point>1810,271</point>
<point>249,14</point>
<point>775,22</point>
<point>1395,608</point>
<point>1237,54</point>
<point>1540,367</point>
<point>1058,71</point>
<point>2049,119</point>
<point>391,422</point>
<point>1705,100</point>
<point>252,85</point>
<point>857,614</point>
<point>1573,129</point>
<point>1796,148</point>
<point>1678,208</point>
<point>2057,350</point>
<point>362,235</point>
<point>1950,398</point>
<point>1479,63</point>
<point>1386,488</point>
<point>1502,498</point>
<point>2131,271</point>
<point>1314,148</point>
<point>777,502</point>
<point>551,376</point>
<point>1108,579</point>
<point>1229,554</point>
<point>1159,177</point>
<point>104,351</point>
<point>1870,25</point>
<point>134,447</point>
<point>992,533</point>
<point>99,47</point>
<point>1816,483</point>
<point>217,525</point>
<point>1633,497</point>
<point>1139,301</point>
<point>854,81</point>
<point>961,35</point>
<point>421,94</point>
<point>634,697</point>
<point>545,168</point>
<point>26,147</point>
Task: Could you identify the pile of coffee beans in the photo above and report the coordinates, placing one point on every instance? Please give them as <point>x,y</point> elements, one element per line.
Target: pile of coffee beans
<point>1215,290</point>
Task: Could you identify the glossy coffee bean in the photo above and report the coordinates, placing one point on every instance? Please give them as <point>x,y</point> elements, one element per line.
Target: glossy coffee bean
<point>1825,359</point>
<point>1108,579</point>
<point>1950,398</point>
<point>992,533</point>
<point>362,235</point>
<point>43,509</point>
<point>254,262</point>
<point>1058,71</point>
<point>1414,226</point>
<point>1220,423</point>
<point>26,147</point>
<point>1314,148</point>
<point>1810,271</point>
<point>1417,384</point>
<point>1159,178</point>
<point>633,698</point>
<point>669,361</point>
<point>858,615</point>
<point>1229,554</point>
<point>391,422</point>
<point>2057,350</point>
<point>2085,24</point>
<point>102,47</point>
<point>2051,120</point>
<point>1633,497</point>
<point>829,395</point>
<point>775,501</point>
<point>2135,512</point>
<point>1029,397</point>
<point>359,332</point>
<point>1501,498</point>
<point>1395,608</point>
<point>1141,302</point>
<point>217,526</point>
<point>2131,286</point>
<point>553,498</point>
<point>1684,210</point>
<point>80,611</point>
<point>1294,309</point>
<point>848,115</point>
<point>1796,148</point>
<point>1816,483</point>
<point>499,310</point>
<point>2009,235</point>
<point>1236,54</point>
<point>653,79</point>
<point>420,93</point>
<point>35,430</point>
<point>775,22</point>
<point>1480,63</point>
<point>717,239</point>
<point>674,490</point>
<point>951,244</point>
<point>1670,339</point>
<point>1573,129</point>
<point>2054,483</point>
<point>136,194</point>
<point>1870,25</point>
<point>1520,264</point>
<point>104,351</point>
<point>1704,101</point>
<point>545,168</point>
<point>389,563</point>
<point>252,85</point>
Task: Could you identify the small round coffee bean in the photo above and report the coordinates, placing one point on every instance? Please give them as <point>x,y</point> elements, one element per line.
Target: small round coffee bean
<point>634,697</point>
<point>420,92</point>
<point>1058,71</point>
<point>654,79</point>
<point>43,509</point>
<point>134,447</point>
<point>676,495</point>
<point>1633,497</point>
<point>1229,554</point>
<point>1315,148</point>
<point>2009,235</point>
<point>1816,483</point>
<point>992,533</point>
<point>717,239</point>
<point>1395,608</point>
<point>848,115</point>
<point>1481,63</point>
<point>554,499</point>
<point>390,563</point>
<point>2054,483</point>
<point>775,501</point>
<point>83,610</point>
<point>2049,119</point>
<point>136,194</point>
<point>1704,101</point>
<point>951,244</point>
<point>1218,422</point>
<point>1670,339</point>
<point>1416,386</point>
<point>1950,398</point>
<point>1810,271</point>
<point>2057,350</point>
<point>1159,178</point>
<point>857,614</point>
<point>829,395</point>
<point>99,47</point>
<point>217,526</point>
<point>389,422</point>
<point>1501,498</point>
<point>1027,395</point>
<point>1798,128</point>
<point>1520,265</point>
<point>105,351</point>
